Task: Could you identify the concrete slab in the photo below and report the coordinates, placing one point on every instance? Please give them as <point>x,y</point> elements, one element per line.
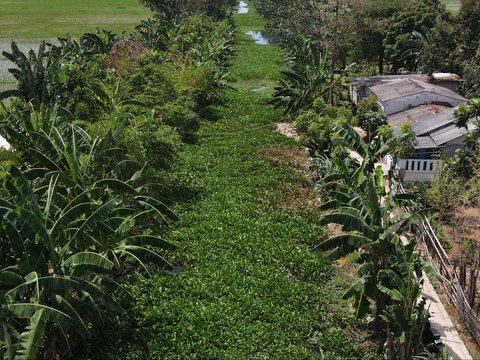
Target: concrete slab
<point>441,322</point>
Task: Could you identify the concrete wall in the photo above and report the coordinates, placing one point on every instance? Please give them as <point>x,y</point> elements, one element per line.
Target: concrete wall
<point>415,169</point>
<point>452,146</point>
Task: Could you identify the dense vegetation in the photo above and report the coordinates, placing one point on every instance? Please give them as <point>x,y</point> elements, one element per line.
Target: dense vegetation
<point>378,36</point>
<point>127,147</point>
<point>383,37</point>
<point>95,124</point>
<point>248,285</point>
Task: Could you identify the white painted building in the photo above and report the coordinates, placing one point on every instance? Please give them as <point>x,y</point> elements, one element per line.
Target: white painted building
<point>429,109</point>
<point>402,95</point>
<point>437,137</point>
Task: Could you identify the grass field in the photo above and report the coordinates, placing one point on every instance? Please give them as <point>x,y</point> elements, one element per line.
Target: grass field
<point>21,19</point>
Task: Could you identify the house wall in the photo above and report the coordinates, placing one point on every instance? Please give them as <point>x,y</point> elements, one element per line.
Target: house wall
<point>359,92</point>
<point>418,169</point>
<point>452,146</point>
<point>415,169</point>
<point>411,101</point>
<point>450,85</point>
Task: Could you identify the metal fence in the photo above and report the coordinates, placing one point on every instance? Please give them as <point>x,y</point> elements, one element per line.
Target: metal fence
<point>448,276</point>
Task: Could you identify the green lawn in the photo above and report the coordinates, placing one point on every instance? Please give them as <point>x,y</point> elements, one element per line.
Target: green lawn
<point>53,18</point>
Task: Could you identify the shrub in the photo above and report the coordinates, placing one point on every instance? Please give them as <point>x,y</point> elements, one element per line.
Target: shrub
<point>161,143</point>
<point>76,91</point>
<point>143,138</point>
<point>181,118</point>
<point>316,124</point>
<point>200,84</point>
<point>125,56</point>
<point>155,84</point>
<point>371,116</point>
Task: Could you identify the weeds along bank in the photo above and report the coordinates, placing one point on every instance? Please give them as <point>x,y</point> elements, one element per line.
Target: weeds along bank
<point>95,125</point>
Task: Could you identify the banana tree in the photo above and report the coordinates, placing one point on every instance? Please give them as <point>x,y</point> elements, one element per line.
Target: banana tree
<point>372,235</point>
<point>407,314</point>
<point>301,85</point>
<point>34,74</point>
<point>68,221</point>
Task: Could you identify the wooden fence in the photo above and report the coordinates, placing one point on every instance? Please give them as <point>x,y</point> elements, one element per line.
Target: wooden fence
<point>448,276</point>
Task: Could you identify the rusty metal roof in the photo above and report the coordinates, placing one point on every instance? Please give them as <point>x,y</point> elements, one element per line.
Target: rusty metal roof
<point>432,124</point>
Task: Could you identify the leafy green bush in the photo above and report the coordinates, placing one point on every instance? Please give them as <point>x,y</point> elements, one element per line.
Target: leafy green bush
<point>371,116</point>
<point>155,84</point>
<point>142,138</point>
<point>161,143</point>
<point>181,118</point>
<point>316,125</point>
<point>75,86</point>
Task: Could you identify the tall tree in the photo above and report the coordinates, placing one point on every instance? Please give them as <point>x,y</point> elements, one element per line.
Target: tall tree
<point>416,17</point>
<point>468,25</point>
<point>370,19</point>
<point>172,8</point>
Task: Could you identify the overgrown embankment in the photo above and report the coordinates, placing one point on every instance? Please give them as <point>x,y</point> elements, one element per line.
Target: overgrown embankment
<point>248,286</point>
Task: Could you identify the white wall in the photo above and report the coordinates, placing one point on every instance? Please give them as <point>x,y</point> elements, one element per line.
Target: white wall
<point>418,169</point>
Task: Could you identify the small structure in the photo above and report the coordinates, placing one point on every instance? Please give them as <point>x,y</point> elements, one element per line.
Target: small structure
<point>437,137</point>
<point>360,87</point>
<point>398,96</point>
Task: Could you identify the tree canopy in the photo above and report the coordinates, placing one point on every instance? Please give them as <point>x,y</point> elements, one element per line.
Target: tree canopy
<point>172,8</point>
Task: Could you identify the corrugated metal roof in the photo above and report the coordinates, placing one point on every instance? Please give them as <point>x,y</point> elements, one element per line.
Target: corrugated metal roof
<point>447,134</point>
<point>424,119</point>
<point>439,90</point>
<point>425,142</point>
<point>433,125</point>
<point>398,89</point>
<point>422,77</point>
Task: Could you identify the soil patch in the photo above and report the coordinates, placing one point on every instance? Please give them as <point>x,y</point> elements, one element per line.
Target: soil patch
<point>287,129</point>
<point>283,155</point>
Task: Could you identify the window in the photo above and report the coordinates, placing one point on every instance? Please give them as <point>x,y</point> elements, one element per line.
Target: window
<point>418,165</point>
<point>424,166</point>
<point>413,165</point>
<point>406,166</point>
<point>431,166</point>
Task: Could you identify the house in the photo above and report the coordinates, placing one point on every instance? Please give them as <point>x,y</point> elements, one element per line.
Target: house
<point>360,87</point>
<point>429,109</point>
<point>437,137</point>
<point>397,96</point>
